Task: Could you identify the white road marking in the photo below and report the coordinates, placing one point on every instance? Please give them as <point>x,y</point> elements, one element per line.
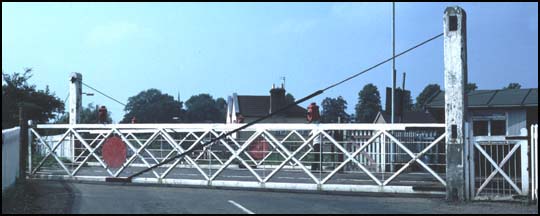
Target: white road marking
<point>241,207</point>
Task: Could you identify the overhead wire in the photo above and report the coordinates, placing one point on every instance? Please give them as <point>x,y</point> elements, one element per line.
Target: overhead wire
<point>318,92</point>
<point>117,101</point>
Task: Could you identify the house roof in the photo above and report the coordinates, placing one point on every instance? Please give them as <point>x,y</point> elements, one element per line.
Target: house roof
<point>503,98</point>
<point>408,117</point>
<point>258,106</point>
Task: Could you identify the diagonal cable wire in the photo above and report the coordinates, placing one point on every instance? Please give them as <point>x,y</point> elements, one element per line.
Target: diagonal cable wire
<point>67,96</point>
<point>318,92</point>
<point>379,64</point>
<point>103,93</point>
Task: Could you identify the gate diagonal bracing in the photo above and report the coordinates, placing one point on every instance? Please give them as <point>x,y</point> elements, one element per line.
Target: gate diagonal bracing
<point>392,158</point>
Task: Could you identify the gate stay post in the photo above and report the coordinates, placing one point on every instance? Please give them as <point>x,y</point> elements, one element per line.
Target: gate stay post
<point>455,79</point>
<point>75,106</point>
<point>23,142</point>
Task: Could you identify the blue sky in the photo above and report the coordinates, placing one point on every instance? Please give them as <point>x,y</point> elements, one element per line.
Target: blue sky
<point>221,48</point>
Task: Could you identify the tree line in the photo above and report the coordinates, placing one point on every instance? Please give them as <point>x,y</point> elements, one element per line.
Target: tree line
<point>369,103</point>
<point>153,106</point>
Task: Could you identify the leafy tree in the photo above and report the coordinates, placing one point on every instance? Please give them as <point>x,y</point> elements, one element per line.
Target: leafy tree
<point>332,108</point>
<point>89,115</point>
<point>203,108</point>
<point>39,105</point>
<point>428,92</point>
<point>369,103</point>
<point>407,102</point>
<point>513,86</point>
<point>152,106</point>
<point>289,98</point>
<point>221,105</point>
<point>470,87</point>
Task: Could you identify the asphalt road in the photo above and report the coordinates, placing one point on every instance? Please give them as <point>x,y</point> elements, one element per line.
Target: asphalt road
<point>100,198</point>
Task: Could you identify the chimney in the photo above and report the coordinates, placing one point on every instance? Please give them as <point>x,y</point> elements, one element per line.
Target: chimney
<point>277,98</point>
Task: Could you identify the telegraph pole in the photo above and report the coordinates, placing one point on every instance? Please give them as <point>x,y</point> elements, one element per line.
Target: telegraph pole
<point>393,59</point>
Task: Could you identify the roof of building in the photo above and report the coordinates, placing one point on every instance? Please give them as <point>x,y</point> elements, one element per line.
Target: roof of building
<point>408,117</point>
<point>501,98</point>
<point>258,106</point>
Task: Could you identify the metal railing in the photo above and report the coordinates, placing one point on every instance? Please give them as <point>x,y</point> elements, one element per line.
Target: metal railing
<point>395,158</point>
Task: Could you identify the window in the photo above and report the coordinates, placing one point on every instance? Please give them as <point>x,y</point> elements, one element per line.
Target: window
<point>489,126</point>
<point>480,128</point>
<point>498,127</point>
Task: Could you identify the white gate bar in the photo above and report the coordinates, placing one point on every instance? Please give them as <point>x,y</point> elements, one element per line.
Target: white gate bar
<point>51,151</point>
<point>239,158</point>
<point>236,143</point>
<point>141,144</point>
<point>223,127</point>
<point>136,152</point>
<point>76,170</point>
<point>494,164</point>
<point>275,147</point>
<point>197,139</point>
<point>180,150</point>
<point>291,156</point>
<point>235,155</point>
<point>351,157</point>
<point>85,144</point>
<point>433,173</point>
<point>98,137</point>
<point>287,152</point>
<point>415,158</point>
<point>205,149</point>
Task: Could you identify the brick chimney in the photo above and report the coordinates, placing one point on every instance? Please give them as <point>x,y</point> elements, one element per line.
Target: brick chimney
<point>277,98</point>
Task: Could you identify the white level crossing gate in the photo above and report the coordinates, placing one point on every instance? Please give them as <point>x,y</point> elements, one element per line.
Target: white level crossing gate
<point>398,158</point>
<point>500,167</point>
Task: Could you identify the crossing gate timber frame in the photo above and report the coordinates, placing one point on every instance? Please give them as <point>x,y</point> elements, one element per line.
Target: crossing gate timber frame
<point>499,167</point>
<point>534,162</point>
<point>390,158</point>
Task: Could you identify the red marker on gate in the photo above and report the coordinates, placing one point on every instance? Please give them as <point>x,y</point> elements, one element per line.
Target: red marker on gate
<point>114,152</point>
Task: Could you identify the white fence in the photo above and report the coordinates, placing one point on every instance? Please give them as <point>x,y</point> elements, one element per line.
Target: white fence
<point>534,162</point>
<point>327,157</point>
<point>10,156</point>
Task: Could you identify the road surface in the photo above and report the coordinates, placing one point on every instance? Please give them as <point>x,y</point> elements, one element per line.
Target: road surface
<point>100,198</point>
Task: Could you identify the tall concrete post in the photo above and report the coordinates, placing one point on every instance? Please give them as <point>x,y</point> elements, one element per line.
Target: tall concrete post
<point>455,79</point>
<point>75,106</point>
<point>75,98</point>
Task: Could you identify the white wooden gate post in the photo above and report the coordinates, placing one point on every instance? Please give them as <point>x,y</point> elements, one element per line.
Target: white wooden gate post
<point>75,104</point>
<point>455,79</point>
<point>75,100</point>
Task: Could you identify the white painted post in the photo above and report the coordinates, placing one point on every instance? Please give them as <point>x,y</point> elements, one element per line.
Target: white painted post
<point>75,104</point>
<point>75,97</point>
<point>524,163</point>
<point>534,154</point>
<point>383,150</point>
<point>455,79</point>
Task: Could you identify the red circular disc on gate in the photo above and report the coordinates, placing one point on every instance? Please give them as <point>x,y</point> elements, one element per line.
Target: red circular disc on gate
<point>114,152</point>
<point>259,149</point>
